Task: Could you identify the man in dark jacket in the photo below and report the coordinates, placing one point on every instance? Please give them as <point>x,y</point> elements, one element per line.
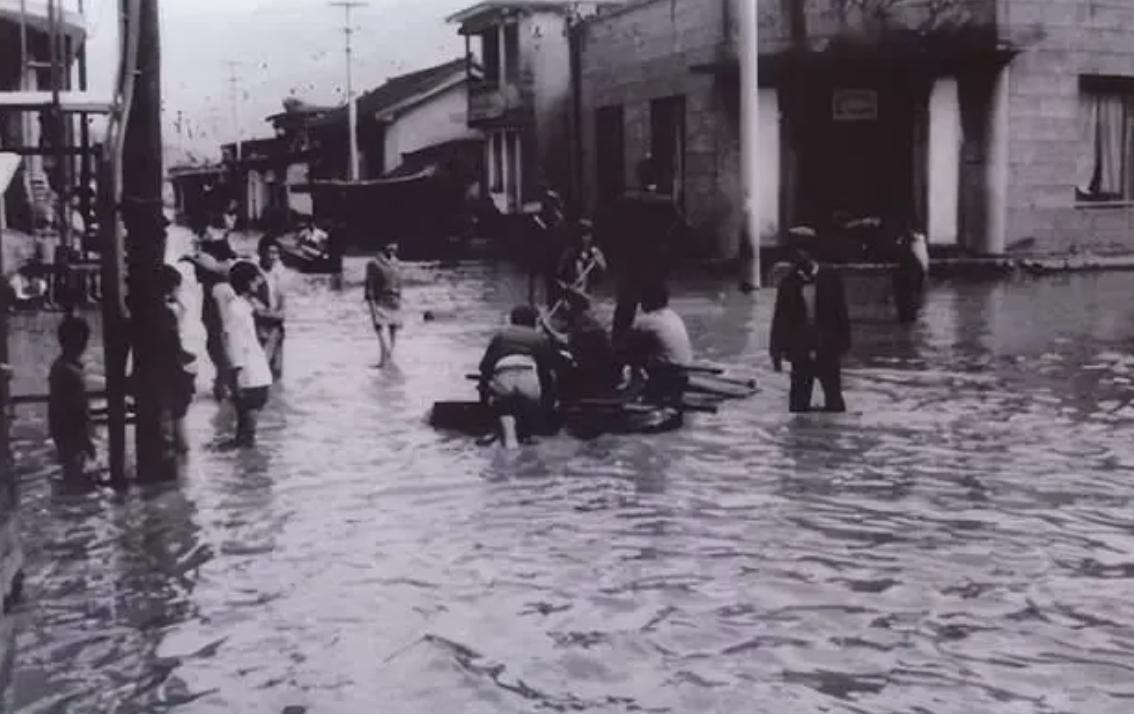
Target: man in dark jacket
<point>811,329</point>
<point>644,234</point>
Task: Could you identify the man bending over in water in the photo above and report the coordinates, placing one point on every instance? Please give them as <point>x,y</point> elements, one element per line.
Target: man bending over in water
<point>517,375</point>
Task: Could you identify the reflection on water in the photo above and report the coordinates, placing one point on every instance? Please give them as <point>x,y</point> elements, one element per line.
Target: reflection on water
<point>959,542</point>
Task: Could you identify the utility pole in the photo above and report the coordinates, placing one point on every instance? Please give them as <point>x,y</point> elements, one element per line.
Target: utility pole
<point>145,241</point>
<point>234,91</point>
<point>352,110</point>
<point>749,144</point>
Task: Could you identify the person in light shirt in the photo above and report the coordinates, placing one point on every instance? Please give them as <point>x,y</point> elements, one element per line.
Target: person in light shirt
<point>272,305</point>
<point>250,375</point>
<point>660,345</point>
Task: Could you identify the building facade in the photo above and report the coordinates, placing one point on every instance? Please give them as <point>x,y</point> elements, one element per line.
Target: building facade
<point>992,125</point>
<point>520,94</point>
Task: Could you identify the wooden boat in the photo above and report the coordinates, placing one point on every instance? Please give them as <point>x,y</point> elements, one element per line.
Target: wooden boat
<point>584,419</point>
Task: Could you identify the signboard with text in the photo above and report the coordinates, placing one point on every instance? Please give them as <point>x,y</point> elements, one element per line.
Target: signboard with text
<point>854,105</point>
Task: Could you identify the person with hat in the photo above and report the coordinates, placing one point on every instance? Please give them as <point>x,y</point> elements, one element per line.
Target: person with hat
<point>811,329</point>
<point>517,375</point>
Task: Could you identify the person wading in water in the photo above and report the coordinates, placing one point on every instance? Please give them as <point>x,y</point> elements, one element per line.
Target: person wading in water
<point>811,329</point>
<point>384,297</point>
<point>646,230</point>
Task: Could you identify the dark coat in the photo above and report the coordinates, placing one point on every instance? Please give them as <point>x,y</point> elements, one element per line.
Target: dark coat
<point>791,339</point>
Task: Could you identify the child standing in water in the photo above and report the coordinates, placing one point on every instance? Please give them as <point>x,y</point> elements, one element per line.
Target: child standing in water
<point>68,414</point>
<point>384,297</point>
<point>251,375</point>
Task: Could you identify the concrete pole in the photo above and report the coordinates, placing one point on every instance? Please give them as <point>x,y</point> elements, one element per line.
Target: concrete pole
<point>749,141</point>
<point>352,110</point>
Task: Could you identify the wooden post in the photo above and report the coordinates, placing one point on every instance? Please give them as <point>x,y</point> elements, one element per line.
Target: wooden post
<point>145,246</point>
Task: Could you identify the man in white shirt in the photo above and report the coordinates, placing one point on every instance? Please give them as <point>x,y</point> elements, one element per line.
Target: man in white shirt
<point>660,344</point>
<point>251,375</point>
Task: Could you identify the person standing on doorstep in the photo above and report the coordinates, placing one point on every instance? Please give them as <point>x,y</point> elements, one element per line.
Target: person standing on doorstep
<point>646,231</point>
<point>270,310</point>
<point>383,294</point>
<point>68,413</point>
<point>909,275</point>
<point>811,329</point>
<point>250,374</point>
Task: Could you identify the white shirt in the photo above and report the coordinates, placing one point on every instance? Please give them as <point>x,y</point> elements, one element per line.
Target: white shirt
<point>244,350</point>
<point>670,338</point>
<point>276,280</point>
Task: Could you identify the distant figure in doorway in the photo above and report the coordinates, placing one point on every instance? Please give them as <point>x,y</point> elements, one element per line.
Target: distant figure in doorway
<point>552,241</point>
<point>909,275</point>
<point>251,376</point>
<point>271,306</point>
<point>517,376</point>
<point>645,235</point>
<point>68,413</point>
<point>384,298</point>
<point>811,329</point>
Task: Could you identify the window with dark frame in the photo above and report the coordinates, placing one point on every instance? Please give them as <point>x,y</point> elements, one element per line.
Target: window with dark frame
<point>1106,138</point>
<point>490,54</point>
<point>667,145</point>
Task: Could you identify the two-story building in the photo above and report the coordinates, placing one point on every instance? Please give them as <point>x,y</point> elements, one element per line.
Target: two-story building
<point>520,93</point>
<point>990,124</point>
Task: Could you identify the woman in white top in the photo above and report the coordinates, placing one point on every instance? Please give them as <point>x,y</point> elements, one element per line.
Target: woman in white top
<point>251,375</point>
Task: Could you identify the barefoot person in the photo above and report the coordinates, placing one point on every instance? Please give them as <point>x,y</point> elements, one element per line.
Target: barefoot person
<point>517,375</point>
<point>251,375</point>
<point>68,415</point>
<point>384,297</point>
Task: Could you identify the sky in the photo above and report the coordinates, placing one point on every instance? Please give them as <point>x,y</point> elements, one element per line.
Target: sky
<point>282,48</point>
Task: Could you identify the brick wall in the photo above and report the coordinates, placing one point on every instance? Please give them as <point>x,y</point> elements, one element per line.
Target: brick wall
<point>1061,40</point>
<point>648,51</point>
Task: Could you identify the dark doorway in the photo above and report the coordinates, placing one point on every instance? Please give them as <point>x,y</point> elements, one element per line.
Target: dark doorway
<point>855,145</point>
<point>609,155</point>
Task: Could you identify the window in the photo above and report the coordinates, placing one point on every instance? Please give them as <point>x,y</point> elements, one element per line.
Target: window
<point>610,154</point>
<point>511,52</point>
<point>1106,136</point>
<point>490,54</point>
<point>667,144</point>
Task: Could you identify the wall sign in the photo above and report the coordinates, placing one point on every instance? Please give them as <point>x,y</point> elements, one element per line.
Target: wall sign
<point>854,105</point>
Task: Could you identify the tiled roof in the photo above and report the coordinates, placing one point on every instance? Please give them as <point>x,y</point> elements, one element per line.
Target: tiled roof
<point>398,89</point>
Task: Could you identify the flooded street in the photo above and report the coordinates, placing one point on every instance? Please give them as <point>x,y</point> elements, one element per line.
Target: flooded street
<point>960,542</point>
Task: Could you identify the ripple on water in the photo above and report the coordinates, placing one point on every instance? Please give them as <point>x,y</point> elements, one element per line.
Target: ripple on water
<point>958,543</point>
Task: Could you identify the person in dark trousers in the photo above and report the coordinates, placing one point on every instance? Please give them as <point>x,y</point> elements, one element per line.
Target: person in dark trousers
<point>644,235</point>
<point>811,329</point>
<point>250,373</point>
<point>582,261</point>
<point>909,275</point>
<point>68,414</point>
<point>271,307</point>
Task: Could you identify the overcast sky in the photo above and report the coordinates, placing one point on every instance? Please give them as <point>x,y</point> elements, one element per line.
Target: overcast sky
<point>284,47</point>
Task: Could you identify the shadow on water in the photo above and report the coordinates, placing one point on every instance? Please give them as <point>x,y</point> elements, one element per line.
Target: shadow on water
<point>959,541</point>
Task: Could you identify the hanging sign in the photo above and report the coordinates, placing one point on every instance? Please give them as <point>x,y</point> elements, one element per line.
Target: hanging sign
<point>854,105</point>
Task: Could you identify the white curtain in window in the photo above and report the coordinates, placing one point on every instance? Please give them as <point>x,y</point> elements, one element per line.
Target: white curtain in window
<point>1088,141</point>
<point>1111,143</point>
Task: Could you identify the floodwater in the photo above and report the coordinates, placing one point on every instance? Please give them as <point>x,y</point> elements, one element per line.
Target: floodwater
<point>960,542</point>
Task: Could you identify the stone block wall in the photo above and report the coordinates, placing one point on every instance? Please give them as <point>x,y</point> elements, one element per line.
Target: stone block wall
<point>1060,40</point>
<point>652,50</point>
